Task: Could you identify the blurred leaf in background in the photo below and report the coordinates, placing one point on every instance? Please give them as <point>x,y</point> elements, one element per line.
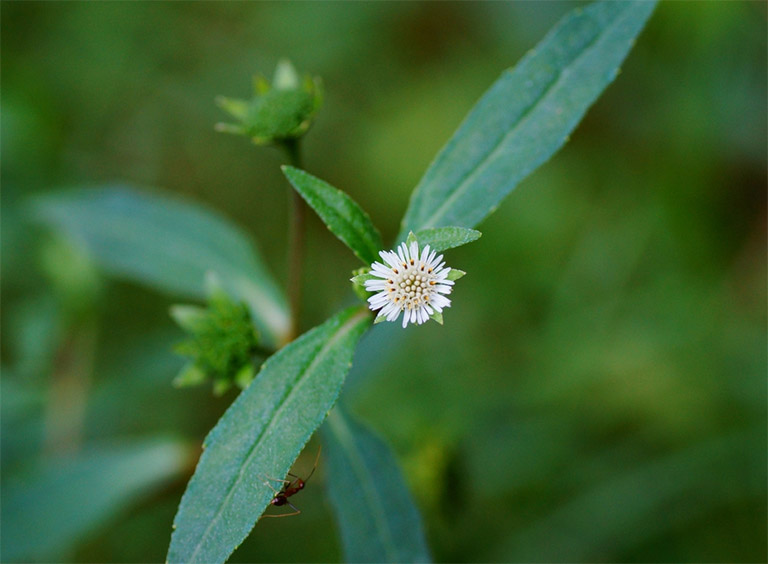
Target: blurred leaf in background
<point>48,511</point>
<point>376,517</point>
<point>606,386</point>
<point>168,244</point>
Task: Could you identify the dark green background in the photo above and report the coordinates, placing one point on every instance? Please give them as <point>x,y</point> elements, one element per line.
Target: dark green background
<point>598,392</point>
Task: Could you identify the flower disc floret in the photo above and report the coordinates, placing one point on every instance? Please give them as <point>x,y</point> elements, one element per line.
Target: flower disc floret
<point>409,282</point>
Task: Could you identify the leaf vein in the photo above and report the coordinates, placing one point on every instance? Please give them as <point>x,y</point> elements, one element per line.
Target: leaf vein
<point>348,325</point>
<point>361,470</point>
<point>465,182</point>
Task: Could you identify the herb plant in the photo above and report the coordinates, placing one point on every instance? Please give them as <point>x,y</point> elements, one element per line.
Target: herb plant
<point>175,246</point>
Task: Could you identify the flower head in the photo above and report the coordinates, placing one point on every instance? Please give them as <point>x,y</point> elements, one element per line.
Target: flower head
<point>222,343</point>
<point>278,112</point>
<point>408,282</point>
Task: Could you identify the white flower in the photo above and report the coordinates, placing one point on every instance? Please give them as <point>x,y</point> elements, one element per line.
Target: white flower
<point>409,283</point>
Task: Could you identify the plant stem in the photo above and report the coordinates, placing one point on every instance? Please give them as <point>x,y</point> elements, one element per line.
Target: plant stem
<point>71,381</point>
<point>296,243</point>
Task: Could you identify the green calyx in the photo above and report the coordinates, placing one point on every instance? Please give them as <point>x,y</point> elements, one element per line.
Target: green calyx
<point>359,276</point>
<point>222,343</point>
<point>278,112</point>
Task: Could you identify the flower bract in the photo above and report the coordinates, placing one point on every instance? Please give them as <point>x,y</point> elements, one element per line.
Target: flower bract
<point>409,282</point>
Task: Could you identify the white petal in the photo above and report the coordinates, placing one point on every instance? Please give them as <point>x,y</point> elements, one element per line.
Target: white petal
<point>414,250</point>
<point>376,286</point>
<point>379,299</point>
<point>400,252</point>
<point>380,270</point>
<point>389,308</point>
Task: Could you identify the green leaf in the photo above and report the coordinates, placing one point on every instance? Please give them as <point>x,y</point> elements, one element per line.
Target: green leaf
<point>341,214</point>
<point>168,244</point>
<point>191,318</point>
<point>190,375</point>
<point>526,116</point>
<point>244,376</point>
<point>378,520</point>
<point>455,274</point>
<point>260,85</point>
<point>51,508</point>
<point>260,436</point>
<point>236,108</point>
<point>442,238</point>
<point>361,279</point>
<point>221,386</point>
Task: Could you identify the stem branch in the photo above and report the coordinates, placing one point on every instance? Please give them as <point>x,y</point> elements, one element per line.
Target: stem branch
<point>296,243</point>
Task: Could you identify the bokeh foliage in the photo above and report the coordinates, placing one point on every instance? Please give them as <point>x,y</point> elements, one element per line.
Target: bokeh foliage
<point>600,392</point>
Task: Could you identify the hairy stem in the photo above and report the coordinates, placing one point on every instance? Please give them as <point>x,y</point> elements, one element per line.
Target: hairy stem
<point>296,243</point>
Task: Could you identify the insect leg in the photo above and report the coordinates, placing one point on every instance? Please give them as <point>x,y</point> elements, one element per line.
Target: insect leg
<point>270,487</point>
<point>278,480</point>
<point>296,511</point>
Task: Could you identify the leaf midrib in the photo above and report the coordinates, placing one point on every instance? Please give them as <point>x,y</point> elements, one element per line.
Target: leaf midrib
<point>369,244</point>
<point>431,221</point>
<point>348,325</point>
<point>359,468</point>
<point>364,235</point>
<point>267,304</point>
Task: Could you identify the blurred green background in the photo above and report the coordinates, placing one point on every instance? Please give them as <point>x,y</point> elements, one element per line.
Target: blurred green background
<point>598,392</point>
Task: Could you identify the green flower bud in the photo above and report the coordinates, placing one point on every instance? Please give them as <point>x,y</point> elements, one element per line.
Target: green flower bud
<point>222,343</point>
<point>278,112</point>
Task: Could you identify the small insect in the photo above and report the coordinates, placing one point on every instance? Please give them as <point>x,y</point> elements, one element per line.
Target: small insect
<point>290,487</point>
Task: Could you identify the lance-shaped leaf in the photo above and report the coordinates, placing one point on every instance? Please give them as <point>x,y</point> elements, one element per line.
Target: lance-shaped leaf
<point>339,212</point>
<point>260,436</point>
<point>377,517</point>
<point>47,510</point>
<point>168,244</point>
<point>442,238</point>
<point>526,115</point>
